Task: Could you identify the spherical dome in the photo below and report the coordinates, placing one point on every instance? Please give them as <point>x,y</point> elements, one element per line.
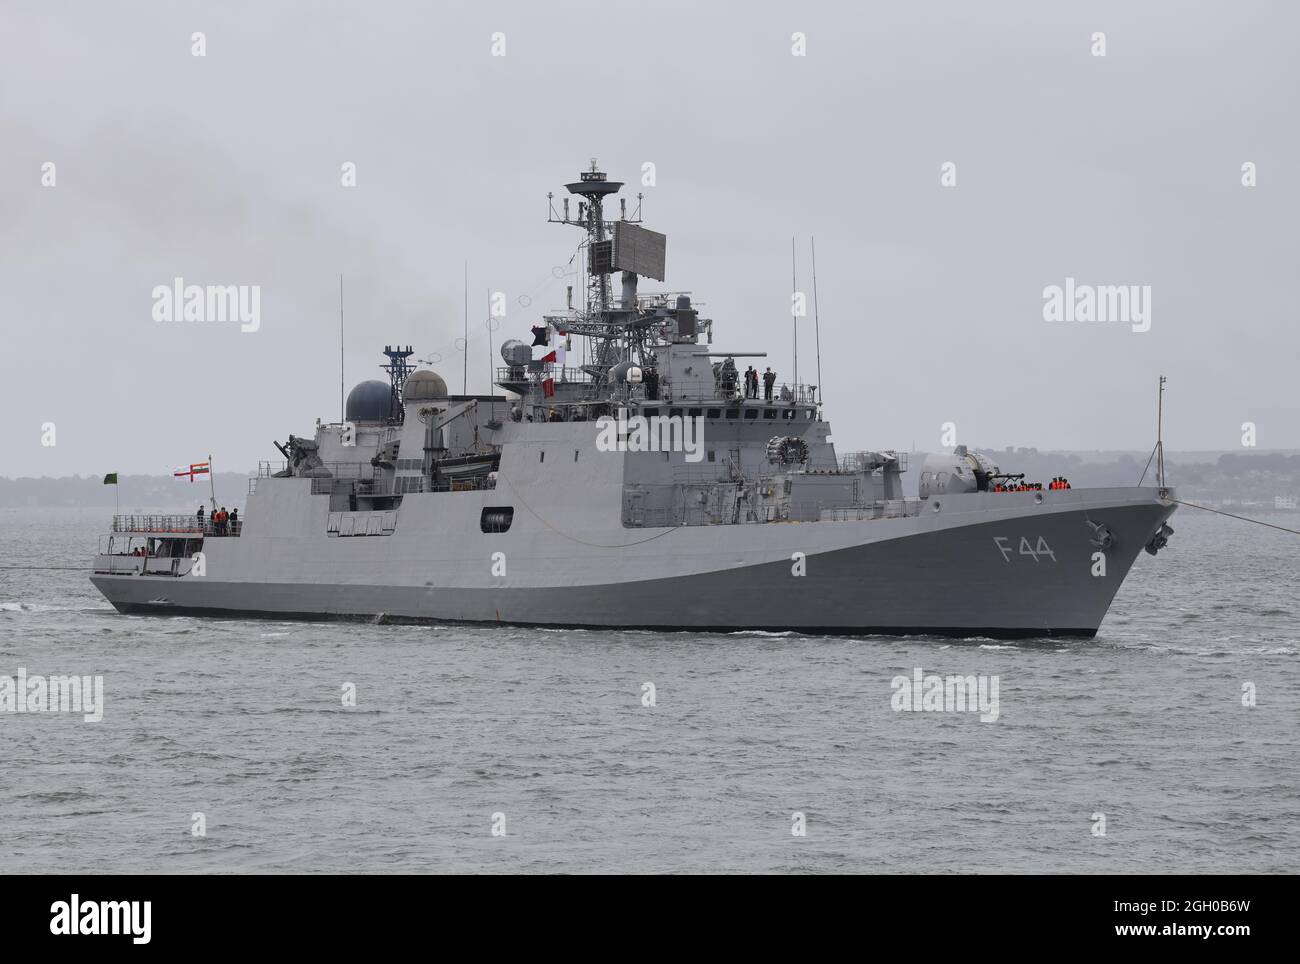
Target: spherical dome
<point>369,402</point>
<point>516,352</point>
<point>423,386</point>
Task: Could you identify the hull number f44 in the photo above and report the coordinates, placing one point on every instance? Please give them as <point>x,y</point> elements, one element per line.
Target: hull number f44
<point>1036,551</point>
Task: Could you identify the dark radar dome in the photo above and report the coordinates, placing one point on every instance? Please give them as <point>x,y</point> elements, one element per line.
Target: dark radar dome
<point>369,402</point>
<point>423,386</point>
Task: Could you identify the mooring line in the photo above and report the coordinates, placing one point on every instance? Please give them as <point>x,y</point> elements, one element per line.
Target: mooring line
<point>1206,508</point>
<point>44,568</point>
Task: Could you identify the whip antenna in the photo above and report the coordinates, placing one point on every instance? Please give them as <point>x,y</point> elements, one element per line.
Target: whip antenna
<point>817,321</point>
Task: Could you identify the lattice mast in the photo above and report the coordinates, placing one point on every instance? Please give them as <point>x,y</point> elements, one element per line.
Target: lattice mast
<point>608,328</point>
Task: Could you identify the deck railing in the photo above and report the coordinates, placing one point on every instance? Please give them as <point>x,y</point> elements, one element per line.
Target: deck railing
<point>404,486</point>
<point>562,376</point>
<point>781,394</point>
<point>790,512</point>
<point>180,524</point>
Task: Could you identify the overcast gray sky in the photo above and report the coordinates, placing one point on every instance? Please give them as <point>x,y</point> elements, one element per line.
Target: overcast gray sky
<point>225,169</point>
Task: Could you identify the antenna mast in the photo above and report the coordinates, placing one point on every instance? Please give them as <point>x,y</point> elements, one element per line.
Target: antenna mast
<point>464,378</point>
<point>398,368</point>
<point>794,315</point>
<point>817,320</point>
<point>342,411</point>
<point>599,320</point>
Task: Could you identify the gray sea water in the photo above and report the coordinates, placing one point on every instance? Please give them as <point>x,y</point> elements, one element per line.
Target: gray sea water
<point>244,722</point>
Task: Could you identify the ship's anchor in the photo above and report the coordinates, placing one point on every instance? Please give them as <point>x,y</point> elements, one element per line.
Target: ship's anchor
<point>1160,539</point>
<point>1102,537</point>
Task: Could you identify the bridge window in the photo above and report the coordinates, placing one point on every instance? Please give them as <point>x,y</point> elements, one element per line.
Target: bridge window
<point>715,413</point>
<point>751,413</point>
<point>769,413</point>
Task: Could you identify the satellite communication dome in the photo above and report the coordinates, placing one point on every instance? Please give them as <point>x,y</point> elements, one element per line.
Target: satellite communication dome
<point>423,386</point>
<point>369,402</point>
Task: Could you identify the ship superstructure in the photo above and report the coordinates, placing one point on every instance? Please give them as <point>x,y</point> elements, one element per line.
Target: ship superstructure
<point>630,475</point>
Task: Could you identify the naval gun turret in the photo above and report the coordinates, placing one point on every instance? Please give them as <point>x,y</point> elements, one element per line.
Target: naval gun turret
<point>958,471</point>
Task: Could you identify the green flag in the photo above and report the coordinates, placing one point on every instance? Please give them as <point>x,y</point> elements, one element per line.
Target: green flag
<point>110,479</point>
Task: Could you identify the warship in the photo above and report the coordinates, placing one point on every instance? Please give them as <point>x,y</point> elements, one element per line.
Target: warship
<point>643,482</point>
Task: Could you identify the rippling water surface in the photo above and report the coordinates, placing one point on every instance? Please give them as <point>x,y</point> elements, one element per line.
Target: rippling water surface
<point>243,722</point>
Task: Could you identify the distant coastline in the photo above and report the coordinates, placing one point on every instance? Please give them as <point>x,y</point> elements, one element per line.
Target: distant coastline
<point>134,492</point>
<point>1262,481</point>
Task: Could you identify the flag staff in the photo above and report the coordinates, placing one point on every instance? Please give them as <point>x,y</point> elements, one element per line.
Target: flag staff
<point>1160,434</point>
<point>111,479</point>
<point>212,485</point>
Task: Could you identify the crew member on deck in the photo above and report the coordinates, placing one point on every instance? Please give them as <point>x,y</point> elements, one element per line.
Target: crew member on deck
<point>769,379</point>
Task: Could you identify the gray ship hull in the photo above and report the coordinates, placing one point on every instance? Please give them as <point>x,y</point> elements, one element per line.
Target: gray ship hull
<point>647,487</point>
<point>998,565</point>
